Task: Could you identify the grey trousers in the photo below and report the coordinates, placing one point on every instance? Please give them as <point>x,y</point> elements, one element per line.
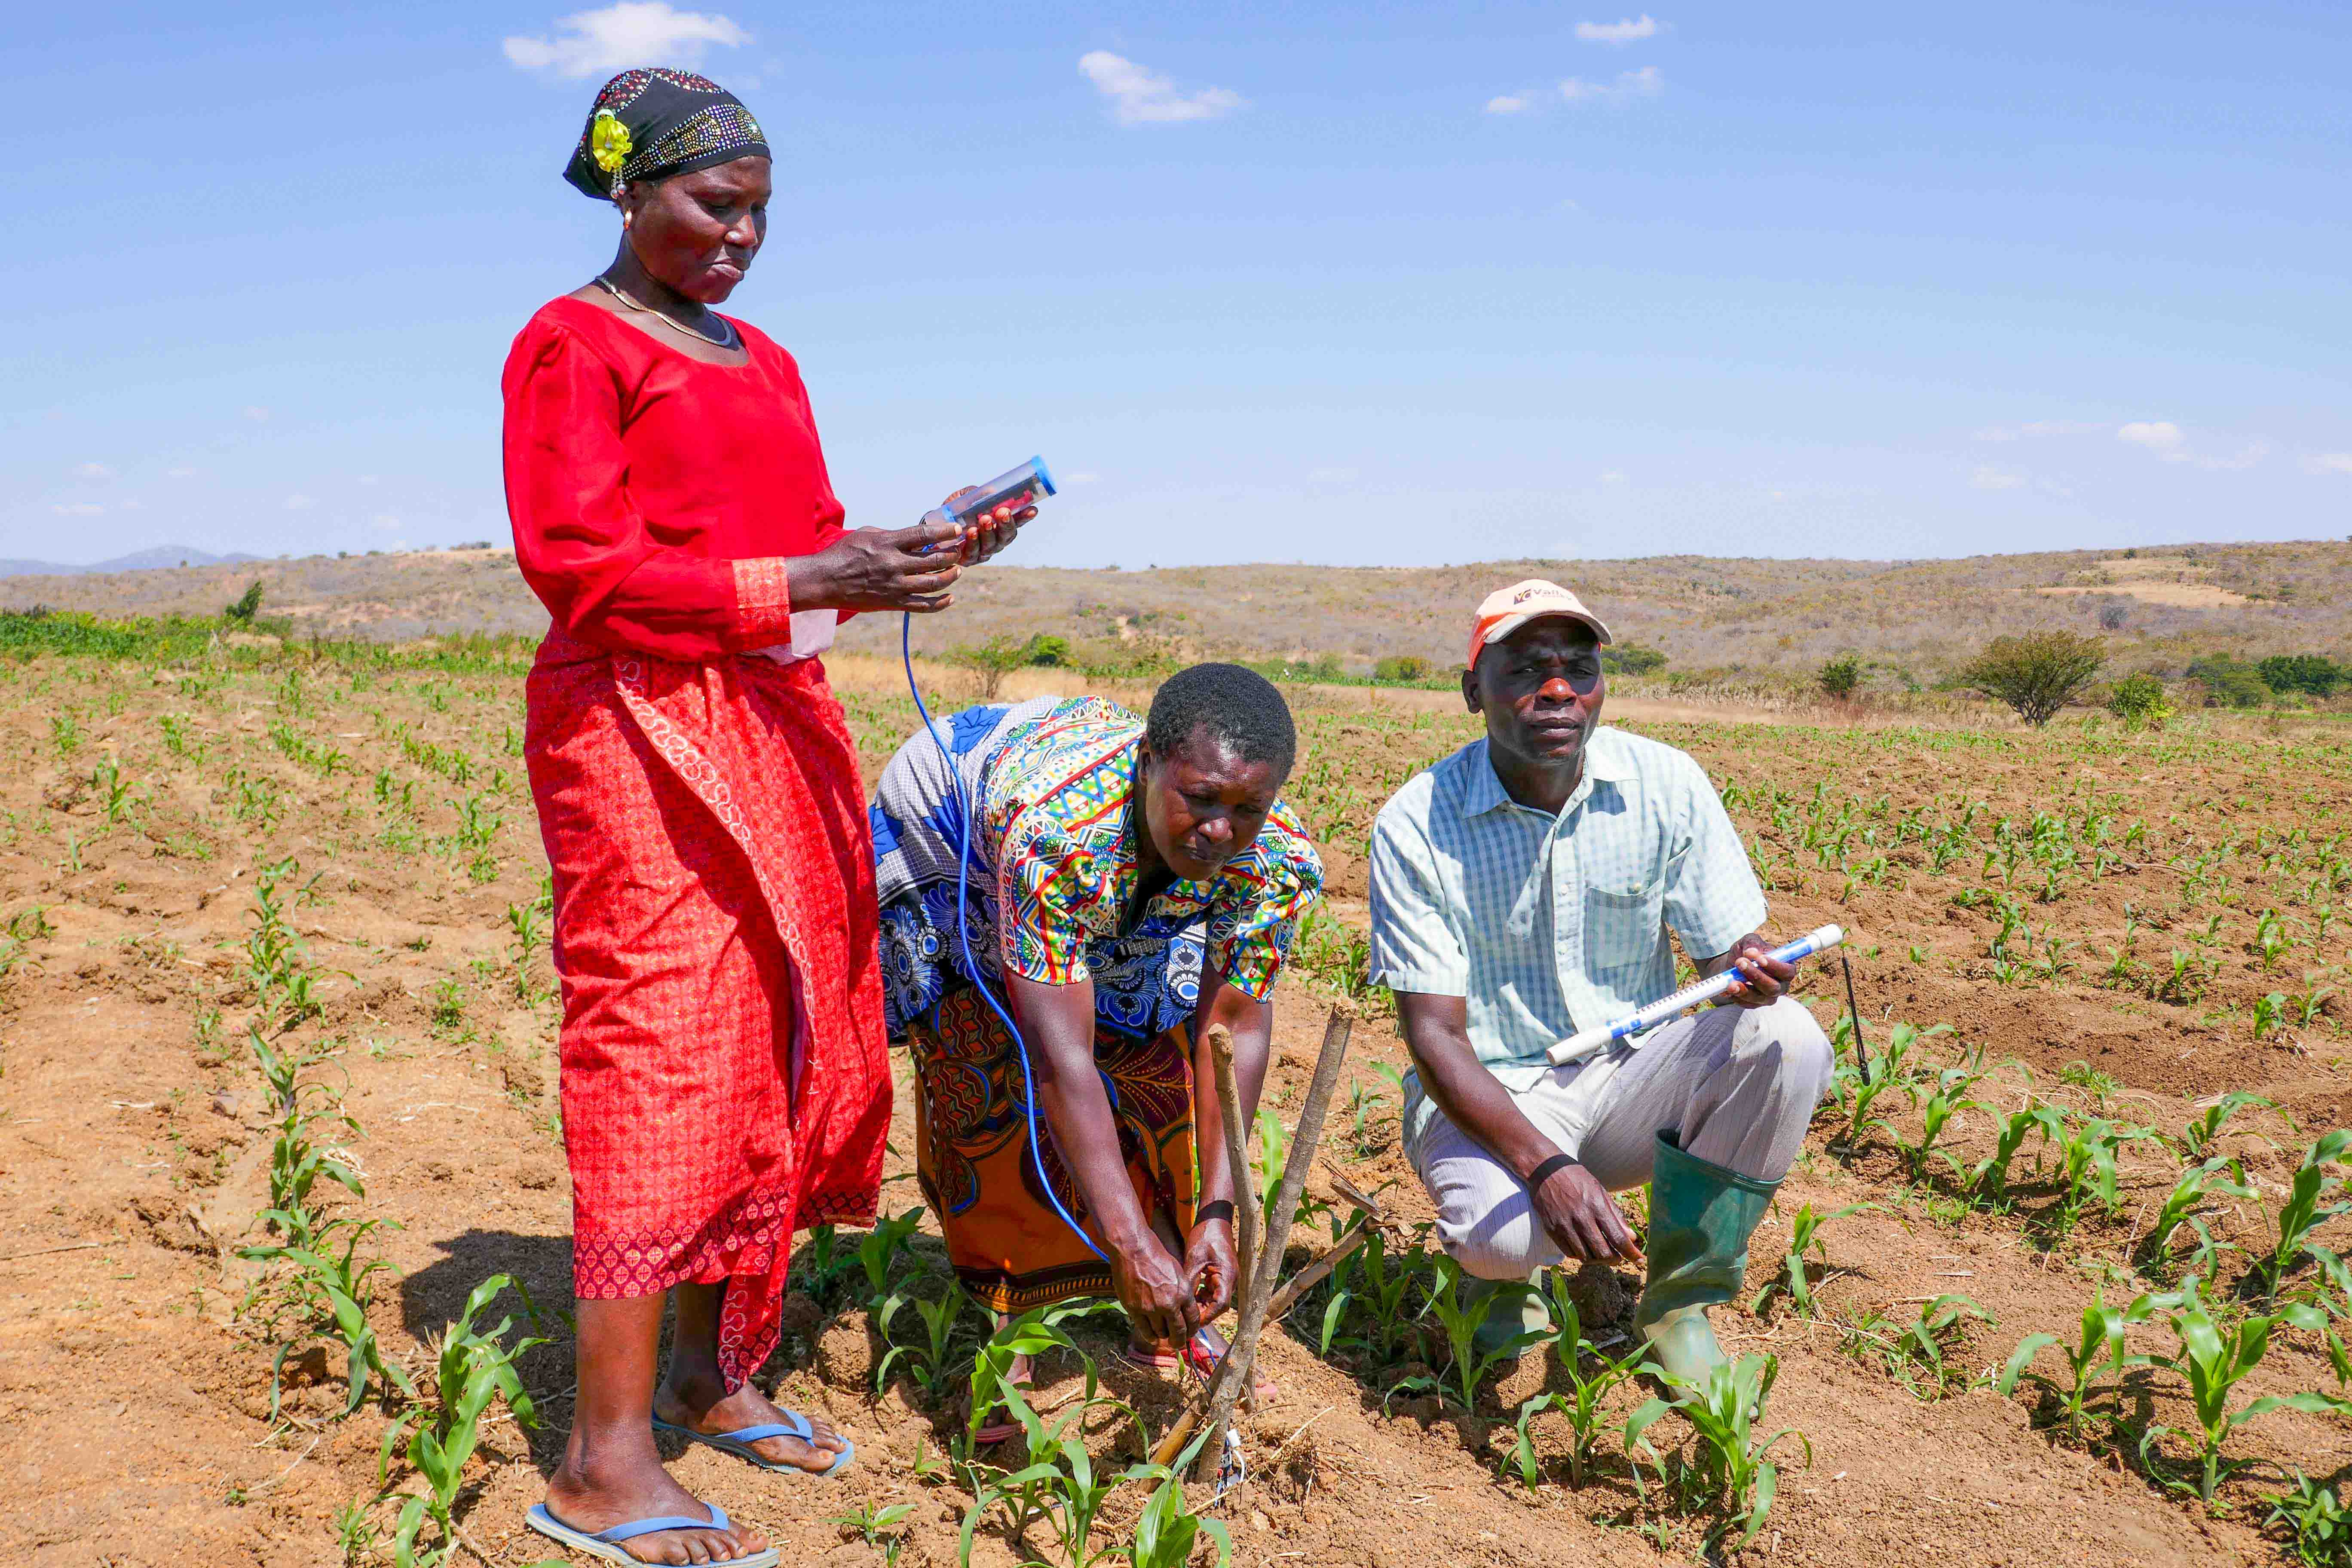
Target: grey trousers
<point>1737,1085</point>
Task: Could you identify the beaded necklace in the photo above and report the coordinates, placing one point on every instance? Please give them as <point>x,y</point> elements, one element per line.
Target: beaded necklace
<point>729,342</point>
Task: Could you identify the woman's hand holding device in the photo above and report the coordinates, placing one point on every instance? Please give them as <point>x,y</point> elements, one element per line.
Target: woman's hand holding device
<point>911,569</point>
<point>907,569</point>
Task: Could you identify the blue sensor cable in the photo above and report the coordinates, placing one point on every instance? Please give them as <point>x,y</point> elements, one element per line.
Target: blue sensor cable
<point>964,934</point>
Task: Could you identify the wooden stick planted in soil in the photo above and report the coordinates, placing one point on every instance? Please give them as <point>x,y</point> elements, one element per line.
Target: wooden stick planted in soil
<point>1236,1136</point>
<point>1317,1267</point>
<point>1260,1269</point>
<point>1245,1224</point>
<point>1303,1147</point>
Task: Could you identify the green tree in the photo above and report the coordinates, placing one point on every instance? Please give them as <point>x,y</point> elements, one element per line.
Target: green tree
<point>2229,682</point>
<point>1402,667</point>
<point>1631,658</point>
<point>2138,701</point>
<point>993,660</point>
<point>2314,674</point>
<point>999,656</point>
<point>2036,674</point>
<point>1842,677</point>
<point>247,605</point>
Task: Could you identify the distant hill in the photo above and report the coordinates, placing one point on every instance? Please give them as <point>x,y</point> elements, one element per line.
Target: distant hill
<point>2155,607</point>
<point>156,559</point>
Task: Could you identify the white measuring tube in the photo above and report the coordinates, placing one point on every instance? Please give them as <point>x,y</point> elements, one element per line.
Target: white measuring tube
<point>1584,1042</point>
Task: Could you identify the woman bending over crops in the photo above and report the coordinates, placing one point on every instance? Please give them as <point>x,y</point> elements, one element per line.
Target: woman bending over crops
<point>1129,885</point>
<point>725,1080</point>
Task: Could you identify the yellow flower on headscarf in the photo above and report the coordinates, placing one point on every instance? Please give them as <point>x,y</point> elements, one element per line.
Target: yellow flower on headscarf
<point>608,142</point>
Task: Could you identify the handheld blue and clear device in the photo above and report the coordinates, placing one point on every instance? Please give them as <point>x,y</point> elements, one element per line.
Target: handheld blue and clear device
<point>1023,486</point>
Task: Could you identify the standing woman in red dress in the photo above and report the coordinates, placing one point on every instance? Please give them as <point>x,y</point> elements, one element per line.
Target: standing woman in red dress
<point>724,1076</point>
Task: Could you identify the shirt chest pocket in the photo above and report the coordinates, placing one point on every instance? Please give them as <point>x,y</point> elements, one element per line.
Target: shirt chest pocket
<point>1624,926</point>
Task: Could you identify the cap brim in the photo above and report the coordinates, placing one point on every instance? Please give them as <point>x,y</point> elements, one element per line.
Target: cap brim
<point>1510,624</point>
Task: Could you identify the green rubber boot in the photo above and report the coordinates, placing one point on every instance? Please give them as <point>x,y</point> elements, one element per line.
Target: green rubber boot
<point>1701,1216</point>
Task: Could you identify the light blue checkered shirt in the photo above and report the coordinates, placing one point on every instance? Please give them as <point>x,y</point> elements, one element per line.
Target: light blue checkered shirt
<point>1549,924</point>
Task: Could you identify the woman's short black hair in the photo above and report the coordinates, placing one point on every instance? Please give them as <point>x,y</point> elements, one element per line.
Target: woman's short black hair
<point>1239,707</point>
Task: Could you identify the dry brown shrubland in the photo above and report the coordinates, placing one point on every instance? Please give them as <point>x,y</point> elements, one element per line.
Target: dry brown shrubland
<point>1733,623</point>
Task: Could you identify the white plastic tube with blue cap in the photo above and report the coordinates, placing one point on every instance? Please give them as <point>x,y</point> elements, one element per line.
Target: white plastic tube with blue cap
<point>1584,1042</point>
<point>1024,486</point>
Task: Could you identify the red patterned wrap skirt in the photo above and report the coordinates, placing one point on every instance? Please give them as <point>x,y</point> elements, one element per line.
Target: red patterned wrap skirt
<point>725,1077</point>
<point>1006,1244</point>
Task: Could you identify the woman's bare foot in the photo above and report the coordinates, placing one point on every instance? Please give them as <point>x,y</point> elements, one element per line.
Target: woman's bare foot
<point>633,1485</point>
<point>1022,1374</point>
<point>701,1407</point>
<point>1204,1351</point>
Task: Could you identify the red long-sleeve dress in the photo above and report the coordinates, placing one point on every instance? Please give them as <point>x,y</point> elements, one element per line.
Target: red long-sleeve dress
<point>725,1079</point>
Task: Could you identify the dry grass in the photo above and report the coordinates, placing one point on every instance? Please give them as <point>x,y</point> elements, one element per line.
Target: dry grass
<point>1747,622</point>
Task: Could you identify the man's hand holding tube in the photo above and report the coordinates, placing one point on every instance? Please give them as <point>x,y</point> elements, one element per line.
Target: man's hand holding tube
<point>1763,979</point>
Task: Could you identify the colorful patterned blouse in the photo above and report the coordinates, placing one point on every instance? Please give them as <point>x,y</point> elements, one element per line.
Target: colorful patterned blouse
<point>1053,782</point>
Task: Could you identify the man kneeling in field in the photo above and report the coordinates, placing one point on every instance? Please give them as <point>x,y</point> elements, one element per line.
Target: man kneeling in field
<point>1521,890</point>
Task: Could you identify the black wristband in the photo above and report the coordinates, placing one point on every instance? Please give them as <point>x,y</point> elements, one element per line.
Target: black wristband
<point>1216,1209</point>
<point>1547,1170</point>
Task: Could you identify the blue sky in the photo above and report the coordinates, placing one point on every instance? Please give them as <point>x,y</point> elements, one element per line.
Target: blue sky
<point>1352,283</point>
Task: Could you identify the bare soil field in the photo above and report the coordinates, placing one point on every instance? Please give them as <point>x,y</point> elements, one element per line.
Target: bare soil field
<point>2152,579</point>
<point>1914,621</point>
<point>335,854</point>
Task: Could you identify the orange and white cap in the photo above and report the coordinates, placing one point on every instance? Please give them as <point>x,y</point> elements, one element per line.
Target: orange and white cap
<point>1505,610</point>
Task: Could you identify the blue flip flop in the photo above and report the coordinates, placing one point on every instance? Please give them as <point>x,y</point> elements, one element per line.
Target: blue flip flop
<point>739,1443</point>
<point>606,1543</point>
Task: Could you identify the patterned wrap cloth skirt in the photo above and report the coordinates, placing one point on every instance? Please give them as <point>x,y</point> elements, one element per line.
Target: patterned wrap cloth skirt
<point>725,1076</point>
<point>972,1150</point>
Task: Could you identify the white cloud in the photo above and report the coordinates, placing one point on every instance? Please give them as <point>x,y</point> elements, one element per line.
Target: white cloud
<point>1509,103</point>
<point>1138,96</point>
<point>255,413</point>
<point>1645,83</point>
<point>179,473</point>
<point>1626,31</point>
<point>77,508</point>
<point>93,471</point>
<point>388,521</point>
<point>2245,457</point>
<point>2161,437</point>
<point>299,502</point>
<point>2170,442</point>
<point>1988,477</point>
<point>632,33</point>
<point>2328,463</point>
